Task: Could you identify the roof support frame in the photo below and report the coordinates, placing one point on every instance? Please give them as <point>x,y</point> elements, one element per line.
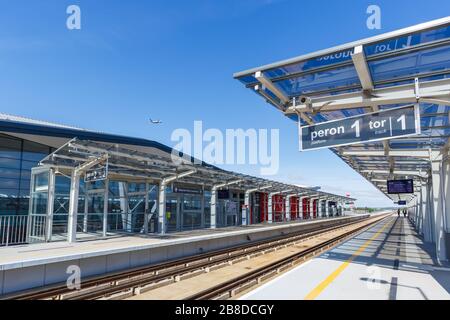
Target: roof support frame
<point>362,69</point>
<point>269,85</point>
<point>401,94</point>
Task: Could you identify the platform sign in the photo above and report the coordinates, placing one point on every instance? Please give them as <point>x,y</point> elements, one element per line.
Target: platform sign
<point>180,189</point>
<point>96,174</point>
<point>401,202</point>
<point>380,125</point>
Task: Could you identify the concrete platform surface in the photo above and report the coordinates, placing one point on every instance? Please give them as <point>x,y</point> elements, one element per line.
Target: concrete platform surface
<point>389,261</point>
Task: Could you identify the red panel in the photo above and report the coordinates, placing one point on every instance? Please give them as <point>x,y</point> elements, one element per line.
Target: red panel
<point>278,205</point>
<point>305,208</point>
<point>263,205</point>
<point>293,203</point>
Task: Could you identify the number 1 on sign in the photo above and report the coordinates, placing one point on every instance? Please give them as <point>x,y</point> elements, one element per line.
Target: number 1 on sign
<point>356,126</point>
<point>402,119</point>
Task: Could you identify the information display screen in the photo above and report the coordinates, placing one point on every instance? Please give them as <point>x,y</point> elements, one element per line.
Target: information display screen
<point>402,203</point>
<point>400,186</point>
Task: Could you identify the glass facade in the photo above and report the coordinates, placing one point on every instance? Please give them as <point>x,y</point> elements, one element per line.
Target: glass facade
<point>104,207</point>
<point>17,157</point>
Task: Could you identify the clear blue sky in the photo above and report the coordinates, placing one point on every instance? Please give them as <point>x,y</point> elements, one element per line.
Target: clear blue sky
<point>174,60</point>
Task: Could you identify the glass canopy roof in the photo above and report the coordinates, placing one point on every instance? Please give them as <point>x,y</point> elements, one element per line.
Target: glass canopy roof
<point>130,163</point>
<point>397,63</point>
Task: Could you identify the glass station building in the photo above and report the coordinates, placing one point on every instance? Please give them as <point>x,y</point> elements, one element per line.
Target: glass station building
<point>65,183</point>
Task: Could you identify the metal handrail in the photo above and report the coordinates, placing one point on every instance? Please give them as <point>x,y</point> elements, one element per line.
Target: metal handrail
<point>21,229</point>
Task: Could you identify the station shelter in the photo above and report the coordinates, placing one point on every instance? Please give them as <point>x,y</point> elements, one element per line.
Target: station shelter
<point>87,189</point>
<point>399,70</point>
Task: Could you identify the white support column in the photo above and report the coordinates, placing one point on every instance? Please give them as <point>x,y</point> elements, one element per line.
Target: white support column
<point>162,207</point>
<point>300,197</point>
<point>73,207</point>
<point>270,207</point>
<point>428,214</point>
<point>416,210</point>
<point>288,206</point>
<point>301,205</point>
<point>417,217</point>
<point>311,207</point>
<point>327,208</point>
<point>73,197</point>
<point>105,208</point>
<point>323,209</point>
<point>334,208</point>
<point>439,170</point>
<point>446,216</point>
<point>146,209</point>
<point>213,207</point>
<point>423,208</point>
<point>50,205</point>
<point>162,198</point>
<point>318,209</point>
<point>246,209</point>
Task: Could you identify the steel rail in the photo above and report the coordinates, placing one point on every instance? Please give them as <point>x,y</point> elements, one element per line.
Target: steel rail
<point>116,289</point>
<point>157,272</point>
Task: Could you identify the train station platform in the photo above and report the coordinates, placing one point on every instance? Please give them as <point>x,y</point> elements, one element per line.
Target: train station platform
<point>35,265</point>
<point>388,261</point>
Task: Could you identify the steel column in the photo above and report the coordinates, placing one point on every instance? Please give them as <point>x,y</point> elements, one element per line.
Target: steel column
<point>213,207</point>
<point>162,208</point>
<point>73,206</point>
<point>50,205</point>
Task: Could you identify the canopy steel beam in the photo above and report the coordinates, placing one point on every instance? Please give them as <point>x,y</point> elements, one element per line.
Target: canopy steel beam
<point>393,153</point>
<point>429,90</point>
<point>359,60</point>
<point>269,85</point>
<point>396,172</point>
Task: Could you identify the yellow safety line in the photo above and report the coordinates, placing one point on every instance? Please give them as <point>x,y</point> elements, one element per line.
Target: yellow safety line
<point>318,290</point>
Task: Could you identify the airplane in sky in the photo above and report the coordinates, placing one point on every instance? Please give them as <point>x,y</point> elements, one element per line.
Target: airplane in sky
<point>155,121</point>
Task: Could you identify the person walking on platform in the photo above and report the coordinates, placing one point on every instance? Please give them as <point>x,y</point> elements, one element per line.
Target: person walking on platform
<point>405,212</point>
<point>398,212</point>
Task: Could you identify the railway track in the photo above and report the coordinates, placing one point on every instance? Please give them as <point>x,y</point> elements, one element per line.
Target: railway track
<point>242,283</point>
<point>138,280</point>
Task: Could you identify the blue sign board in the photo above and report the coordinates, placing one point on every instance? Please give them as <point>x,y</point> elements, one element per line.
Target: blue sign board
<point>381,125</point>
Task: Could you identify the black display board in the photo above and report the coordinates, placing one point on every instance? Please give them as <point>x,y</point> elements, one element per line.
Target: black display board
<point>400,186</point>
